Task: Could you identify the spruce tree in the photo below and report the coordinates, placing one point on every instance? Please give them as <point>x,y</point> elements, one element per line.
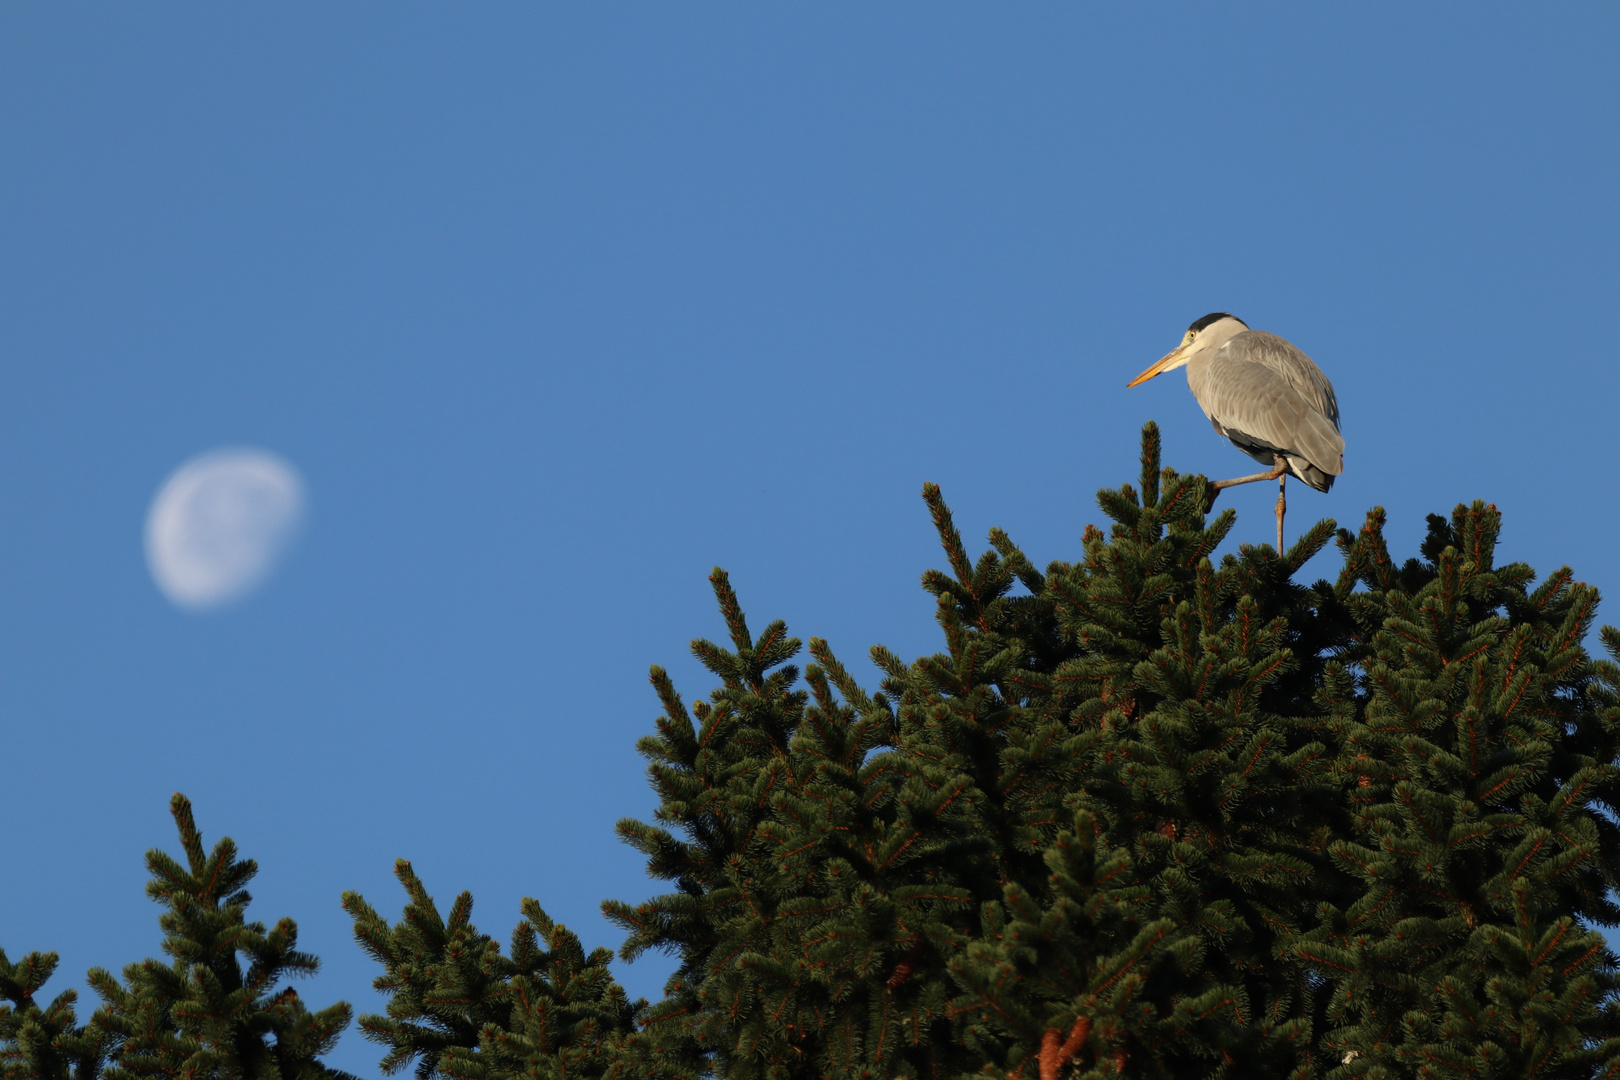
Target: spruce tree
<point>200,1016</point>
<point>819,873</point>
<point>203,1013</point>
<point>458,1008</point>
<point>43,1042</point>
<point>1151,814</point>
<point>1479,757</point>
<point>1204,783</point>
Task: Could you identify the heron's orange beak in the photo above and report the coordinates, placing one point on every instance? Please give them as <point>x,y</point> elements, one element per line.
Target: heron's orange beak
<point>1172,359</point>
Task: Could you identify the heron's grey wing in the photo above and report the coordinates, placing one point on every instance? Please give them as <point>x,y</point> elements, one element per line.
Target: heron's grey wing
<point>1299,370</point>
<point>1258,406</point>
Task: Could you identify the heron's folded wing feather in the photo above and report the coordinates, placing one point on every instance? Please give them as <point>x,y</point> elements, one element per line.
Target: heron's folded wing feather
<point>1256,405</point>
<point>1297,369</point>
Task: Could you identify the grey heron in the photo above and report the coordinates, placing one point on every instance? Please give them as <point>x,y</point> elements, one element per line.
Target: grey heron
<point>1266,396</point>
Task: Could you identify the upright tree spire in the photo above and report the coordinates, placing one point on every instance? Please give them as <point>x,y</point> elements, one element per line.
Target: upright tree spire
<point>218,1008</point>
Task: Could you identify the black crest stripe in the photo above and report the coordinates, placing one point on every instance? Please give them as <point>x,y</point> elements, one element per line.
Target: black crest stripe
<point>1214,316</point>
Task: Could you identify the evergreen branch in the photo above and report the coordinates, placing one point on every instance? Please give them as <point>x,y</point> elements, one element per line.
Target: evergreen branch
<point>1150,470</point>
<point>949,538</point>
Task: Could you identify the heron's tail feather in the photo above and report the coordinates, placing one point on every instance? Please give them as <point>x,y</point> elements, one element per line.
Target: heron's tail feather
<point>1310,474</point>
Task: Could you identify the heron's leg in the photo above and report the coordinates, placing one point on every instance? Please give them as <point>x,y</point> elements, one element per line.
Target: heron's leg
<point>1219,486</point>
<point>1282,505</point>
<point>1269,474</point>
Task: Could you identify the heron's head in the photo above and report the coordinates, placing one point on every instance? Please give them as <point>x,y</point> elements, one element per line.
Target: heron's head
<point>1210,332</point>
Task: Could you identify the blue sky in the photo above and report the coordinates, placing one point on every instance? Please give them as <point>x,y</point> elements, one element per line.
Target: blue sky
<point>557,309</point>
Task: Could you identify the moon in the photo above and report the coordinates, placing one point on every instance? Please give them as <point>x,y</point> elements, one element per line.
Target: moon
<point>219,525</point>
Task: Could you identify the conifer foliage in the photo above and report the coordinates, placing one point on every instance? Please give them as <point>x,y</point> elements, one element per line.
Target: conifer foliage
<point>458,1008</point>
<point>200,1014</point>
<point>204,1014</point>
<point>814,900</point>
<point>1484,743</point>
<point>1151,814</point>
<point>43,1042</point>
